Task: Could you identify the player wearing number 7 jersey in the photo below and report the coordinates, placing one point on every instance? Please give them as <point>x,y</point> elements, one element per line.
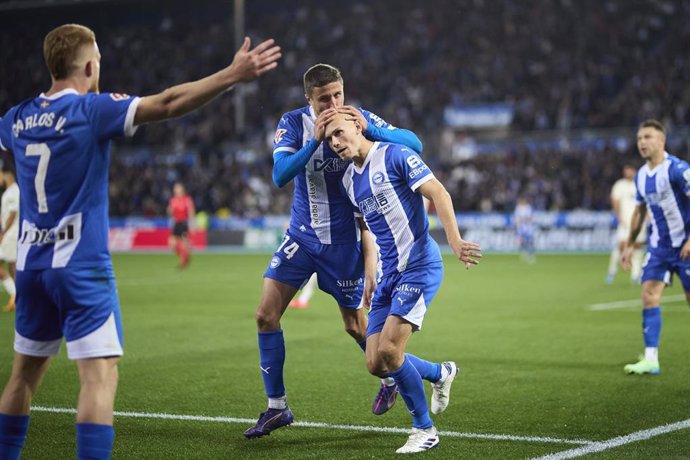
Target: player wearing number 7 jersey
<point>65,283</point>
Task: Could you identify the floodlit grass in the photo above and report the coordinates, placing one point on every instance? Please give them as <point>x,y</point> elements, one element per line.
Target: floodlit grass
<point>536,361</point>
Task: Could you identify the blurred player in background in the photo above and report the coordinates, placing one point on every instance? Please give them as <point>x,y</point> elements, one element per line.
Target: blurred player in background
<point>305,294</point>
<point>523,217</point>
<point>663,193</point>
<point>382,183</point>
<point>65,283</point>
<point>181,210</point>
<point>323,236</point>
<point>9,210</point>
<point>623,203</point>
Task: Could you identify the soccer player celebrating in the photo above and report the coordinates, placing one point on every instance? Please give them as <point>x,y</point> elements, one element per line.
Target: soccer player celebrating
<point>382,183</point>
<point>663,192</point>
<point>323,236</point>
<point>181,209</point>
<point>65,284</point>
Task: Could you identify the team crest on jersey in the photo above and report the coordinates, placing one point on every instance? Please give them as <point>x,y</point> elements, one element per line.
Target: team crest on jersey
<point>119,96</point>
<point>378,178</point>
<point>279,135</point>
<point>275,262</point>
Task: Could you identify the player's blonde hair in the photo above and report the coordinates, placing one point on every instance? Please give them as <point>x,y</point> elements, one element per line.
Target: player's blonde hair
<point>61,48</point>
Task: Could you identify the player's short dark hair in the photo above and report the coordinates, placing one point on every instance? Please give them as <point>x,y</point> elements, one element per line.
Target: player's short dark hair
<point>61,48</point>
<point>320,75</point>
<point>651,123</point>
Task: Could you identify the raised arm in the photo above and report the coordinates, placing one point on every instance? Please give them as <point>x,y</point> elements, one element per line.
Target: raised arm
<point>248,64</point>
<point>468,253</point>
<point>384,134</point>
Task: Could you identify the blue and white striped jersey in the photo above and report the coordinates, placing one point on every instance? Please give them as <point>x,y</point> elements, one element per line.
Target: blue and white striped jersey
<point>384,191</point>
<point>665,191</point>
<point>61,147</point>
<point>320,212</point>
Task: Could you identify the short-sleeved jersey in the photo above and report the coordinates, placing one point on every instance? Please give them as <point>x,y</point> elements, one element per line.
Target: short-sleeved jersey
<point>384,191</point>
<point>665,191</point>
<point>625,193</point>
<point>61,147</point>
<point>181,208</point>
<point>9,204</point>
<point>320,213</point>
<point>523,218</point>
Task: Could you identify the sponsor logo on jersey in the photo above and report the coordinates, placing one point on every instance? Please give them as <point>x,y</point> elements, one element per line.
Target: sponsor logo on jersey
<point>377,203</point>
<point>331,165</point>
<point>39,236</point>
<point>279,135</point>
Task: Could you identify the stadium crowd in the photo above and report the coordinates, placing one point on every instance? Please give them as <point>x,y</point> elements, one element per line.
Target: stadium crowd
<point>619,63</point>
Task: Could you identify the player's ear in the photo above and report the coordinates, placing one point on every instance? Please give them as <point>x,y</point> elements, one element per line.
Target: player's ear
<point>88,69</point>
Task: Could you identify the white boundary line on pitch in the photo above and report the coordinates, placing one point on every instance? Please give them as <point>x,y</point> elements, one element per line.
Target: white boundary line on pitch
<point>632,303</point>
<point>381,429</point>
<point>617,441</point>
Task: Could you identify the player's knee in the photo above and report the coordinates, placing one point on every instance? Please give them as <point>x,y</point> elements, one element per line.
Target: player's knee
<point>390,355</point>
<point>375,367</point>
<point>650,298</point>
<point>267,319</point>
<point>356,331</point>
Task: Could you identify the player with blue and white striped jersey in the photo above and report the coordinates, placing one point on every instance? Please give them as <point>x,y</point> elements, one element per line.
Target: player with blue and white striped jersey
<point>65,284</point>
<point>323,236</point>
<point>663,192</point>
<point>386,183</point>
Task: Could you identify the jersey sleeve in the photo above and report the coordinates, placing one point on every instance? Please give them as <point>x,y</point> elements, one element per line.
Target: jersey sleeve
<point>112,115</point>
<point>617,191</point>
<point>408,166</point>
<point>288,136</point>
<point>375,120</point>
<point>680,179</point>
<point>638,196</point>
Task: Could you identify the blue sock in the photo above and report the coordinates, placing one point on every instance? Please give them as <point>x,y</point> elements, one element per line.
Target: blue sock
<point>94,442</point>
<point>412,391</point>
<point>272,360</point>
<point>429,371</point>
<point>13,430</point>
<point>651,326</point>
<point>363,345</point>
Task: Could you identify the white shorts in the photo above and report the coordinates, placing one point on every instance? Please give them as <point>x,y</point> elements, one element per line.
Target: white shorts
<point>623,231</point>
<point>8,248</point>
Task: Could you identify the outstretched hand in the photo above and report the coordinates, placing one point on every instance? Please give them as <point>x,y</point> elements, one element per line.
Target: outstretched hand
<point>250,64</point>
<point>469,253</point>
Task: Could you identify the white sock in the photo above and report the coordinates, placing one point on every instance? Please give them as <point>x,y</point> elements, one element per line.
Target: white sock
<point>277,403</point>
<point>388,381</point>
<point>613,260</point>
<point>8,284</point>
<point>651,354</point>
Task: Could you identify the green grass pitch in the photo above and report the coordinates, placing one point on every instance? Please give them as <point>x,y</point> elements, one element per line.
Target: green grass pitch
<point>536,361</point>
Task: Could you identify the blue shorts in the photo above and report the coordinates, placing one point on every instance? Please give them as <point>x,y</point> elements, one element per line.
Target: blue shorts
<point>660,264</point>
<point>407,294</point>
<point>339,268</point>
<point>79,304</point>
